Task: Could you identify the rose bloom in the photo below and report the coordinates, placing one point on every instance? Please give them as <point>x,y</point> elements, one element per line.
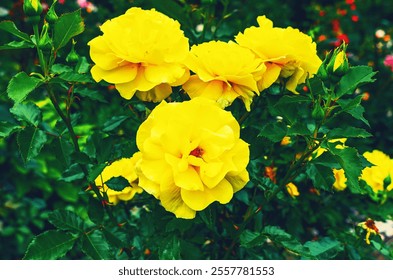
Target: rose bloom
<point>288,53</point>
<point>142,52</point>
<point>124,167</point>
<point>191,156</point>
<point>223,72</point>
<point>340,182</point>
<point>381,171</point>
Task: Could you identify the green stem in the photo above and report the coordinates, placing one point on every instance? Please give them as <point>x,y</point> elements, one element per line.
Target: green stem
<point>65,118</point>
<point>39,51</point>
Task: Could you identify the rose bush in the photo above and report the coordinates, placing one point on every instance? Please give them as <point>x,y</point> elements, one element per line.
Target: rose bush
<point>206,153</point>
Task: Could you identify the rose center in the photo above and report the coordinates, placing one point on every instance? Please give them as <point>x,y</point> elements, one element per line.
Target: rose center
<point>197,152</point>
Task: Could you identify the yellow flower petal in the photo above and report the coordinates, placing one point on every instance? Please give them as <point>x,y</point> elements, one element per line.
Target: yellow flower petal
<point>199,200</point>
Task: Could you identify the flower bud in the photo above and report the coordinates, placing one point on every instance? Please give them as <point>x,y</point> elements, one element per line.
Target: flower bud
<point>51,15</point>
<point>32,8</point>
<point>338,64</point>
<point>73,56</point>
<point>45,42</point>
<point>318,113</point>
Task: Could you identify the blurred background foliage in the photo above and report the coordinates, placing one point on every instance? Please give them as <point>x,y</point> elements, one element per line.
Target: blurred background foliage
<point>28,192</point>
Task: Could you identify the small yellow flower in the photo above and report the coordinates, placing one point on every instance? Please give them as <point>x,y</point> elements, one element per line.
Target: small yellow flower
<point>124,167</point>
<point>292,190</point>
<point>370,227</point>
<point>223,72</point>
<point>340,180</point>
<point>286,141</point>
<point>382,171</point>
<point>192,155</point>
<point>141,51</point>
<point>288,53</point>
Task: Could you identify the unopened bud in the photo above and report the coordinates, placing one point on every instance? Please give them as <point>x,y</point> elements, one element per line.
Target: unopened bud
<point>51,15</point>
<point>318,113</point>
<point>338,64</point>
<point>73,56</point>
<point>32,8</point>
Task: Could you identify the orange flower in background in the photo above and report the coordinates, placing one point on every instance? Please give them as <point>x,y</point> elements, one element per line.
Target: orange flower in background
<point>288,54</point>
<point>142,52</point>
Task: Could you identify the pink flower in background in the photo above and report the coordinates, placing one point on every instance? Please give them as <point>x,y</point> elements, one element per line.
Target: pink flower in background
<point>389,61</point>
<point>84,4</point>
<point>61,2</point>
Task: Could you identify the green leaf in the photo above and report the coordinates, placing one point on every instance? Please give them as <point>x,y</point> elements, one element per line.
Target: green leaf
<point>321,176</point>
<point>83,65</point>
<point>75,77</point>
<point>348,132</point>
<point>324,248</point>
<point>16,45</point>
<point>62,150</point>
<point>95,211</point>
<point>249,239</point>
<point>352,107</point>
<point>30,142</point>
<point>50,245</point>
<point>114,122</point>
<point>91,94</point>
<point>73,173</point>
<point>355,77</point>
<point>350,160</point>
<point>94,171</point>
<point>292,99</point>
<point>10,27</point>
<point>66,27</point>
<point>169,249</point>
<point>298,128</point>
<point>95,246</point>
<point>274,131</point>
<point>21,85</point>
<point>117,183</point>
<point>66,220</point>
<point>60,68</point>
<point>7,128</point>
<point>115,239</point>
<point>279,236</point>
<point>27,112</point>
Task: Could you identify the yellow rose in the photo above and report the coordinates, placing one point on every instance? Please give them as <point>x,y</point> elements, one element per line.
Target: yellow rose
<point>382,170</point>
<point>191,156</point>
<point>287,52</point>
<point>141,51</point>
<point>124,167</point>
<point>340,182</point>
<point>224,72</point>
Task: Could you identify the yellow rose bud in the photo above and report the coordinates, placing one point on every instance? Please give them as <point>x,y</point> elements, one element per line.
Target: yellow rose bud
<point>32,7</point>
<point>338,64</point>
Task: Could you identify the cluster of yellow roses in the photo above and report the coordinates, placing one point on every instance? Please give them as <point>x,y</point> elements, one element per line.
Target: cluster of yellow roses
<point>144,52</point>
<point>190,153</point>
